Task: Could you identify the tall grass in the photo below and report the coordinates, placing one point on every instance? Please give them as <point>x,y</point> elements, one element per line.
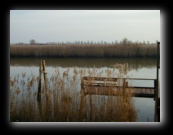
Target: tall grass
<point>64,101</point>
<point>77,51</point>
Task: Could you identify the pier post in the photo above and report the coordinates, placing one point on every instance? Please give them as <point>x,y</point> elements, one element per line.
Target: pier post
<point>42,69</point>
<point>157,102</point>
<point>44,73</point>
<point>39,85</point>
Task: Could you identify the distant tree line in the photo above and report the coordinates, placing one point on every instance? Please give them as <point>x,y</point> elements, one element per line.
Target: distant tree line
<point>124,41</point>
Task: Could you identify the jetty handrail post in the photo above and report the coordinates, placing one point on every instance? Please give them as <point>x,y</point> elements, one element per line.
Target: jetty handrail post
<point>39,85</point>
<point>158,58</point>
<point>155,89</point>
<point>158,64</point>
<point>156,86</point>
<point>82,113</point>
<point>125,85</point>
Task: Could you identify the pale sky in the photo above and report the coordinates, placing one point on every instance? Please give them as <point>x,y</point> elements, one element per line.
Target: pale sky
<point>84,25</point>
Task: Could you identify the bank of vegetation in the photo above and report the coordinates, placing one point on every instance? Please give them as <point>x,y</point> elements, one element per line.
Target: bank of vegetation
<point>85,50</point>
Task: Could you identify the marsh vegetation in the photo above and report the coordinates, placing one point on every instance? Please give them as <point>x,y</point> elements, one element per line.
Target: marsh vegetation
<point>85,51</point>
<point>62,100</point>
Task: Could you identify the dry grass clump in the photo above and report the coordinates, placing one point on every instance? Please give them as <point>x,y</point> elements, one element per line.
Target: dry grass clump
<point>64,101</point>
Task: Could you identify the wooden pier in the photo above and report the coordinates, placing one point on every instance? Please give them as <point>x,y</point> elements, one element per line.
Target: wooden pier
<point>110,86</point>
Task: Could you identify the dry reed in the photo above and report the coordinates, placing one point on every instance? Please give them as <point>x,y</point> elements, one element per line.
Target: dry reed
<point>83,51</point>
<point>64,103</point>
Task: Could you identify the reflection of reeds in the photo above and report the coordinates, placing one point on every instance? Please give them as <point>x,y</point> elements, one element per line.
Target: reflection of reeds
<point>11,83</point>
<point>63,102</point>
<point>65,73</point>
<point>23,74</point>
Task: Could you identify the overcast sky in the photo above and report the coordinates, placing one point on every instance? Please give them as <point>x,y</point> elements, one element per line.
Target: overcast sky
<point>84,25</point>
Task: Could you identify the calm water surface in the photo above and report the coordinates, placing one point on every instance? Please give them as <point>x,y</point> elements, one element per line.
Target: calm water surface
<point>137,68</point>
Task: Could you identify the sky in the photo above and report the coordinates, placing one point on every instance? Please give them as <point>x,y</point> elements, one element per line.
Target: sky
<point>84,25</point>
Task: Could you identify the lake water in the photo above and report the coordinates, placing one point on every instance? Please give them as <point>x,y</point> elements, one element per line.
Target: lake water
<point>135,68</point>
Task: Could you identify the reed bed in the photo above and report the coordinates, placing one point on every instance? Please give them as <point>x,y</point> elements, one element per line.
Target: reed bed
<point>84,51</point>
<point>64,101</point>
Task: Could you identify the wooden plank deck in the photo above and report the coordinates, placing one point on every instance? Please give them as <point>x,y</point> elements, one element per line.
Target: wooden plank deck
<point>136,92</point>
<point>109,86</point>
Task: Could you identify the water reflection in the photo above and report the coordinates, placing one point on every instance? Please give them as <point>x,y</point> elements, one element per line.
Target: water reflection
<point>134,63</point>
<point>61,84</point>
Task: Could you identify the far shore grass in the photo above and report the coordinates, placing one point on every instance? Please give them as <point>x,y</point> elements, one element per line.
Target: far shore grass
<point>85,51</point>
